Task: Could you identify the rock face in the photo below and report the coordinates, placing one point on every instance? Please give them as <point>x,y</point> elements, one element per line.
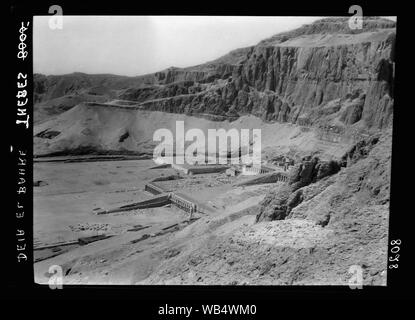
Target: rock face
<point>360,150</point>
<point>278,205</point>
<point>352,203</point>
<point>291,76</point>
<point>283,81</point>
<point>310,174</point>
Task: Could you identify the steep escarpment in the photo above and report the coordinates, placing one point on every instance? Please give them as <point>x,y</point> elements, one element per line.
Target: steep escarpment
<point>322,70</point>
<point>292,77</point>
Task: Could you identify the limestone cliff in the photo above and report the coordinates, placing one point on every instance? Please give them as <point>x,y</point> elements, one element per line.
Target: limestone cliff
<point>320,73</point>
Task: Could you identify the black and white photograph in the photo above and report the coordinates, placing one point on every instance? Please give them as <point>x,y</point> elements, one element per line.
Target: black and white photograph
<point>207,162</point>
<point>173,150</point>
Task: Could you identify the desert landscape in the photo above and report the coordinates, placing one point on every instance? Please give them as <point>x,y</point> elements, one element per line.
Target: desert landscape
<point>322,96</point>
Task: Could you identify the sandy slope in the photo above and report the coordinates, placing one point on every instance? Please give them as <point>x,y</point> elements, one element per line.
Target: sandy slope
<point>101,127</point>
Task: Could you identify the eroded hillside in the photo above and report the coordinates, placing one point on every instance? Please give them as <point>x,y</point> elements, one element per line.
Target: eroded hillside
<point>321,94</point>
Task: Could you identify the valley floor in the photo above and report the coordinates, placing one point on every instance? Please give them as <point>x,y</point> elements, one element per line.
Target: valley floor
<point>69,194</point>
<point>223,246</point>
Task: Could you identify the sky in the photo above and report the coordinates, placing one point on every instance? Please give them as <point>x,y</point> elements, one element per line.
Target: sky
<point>136,45</point>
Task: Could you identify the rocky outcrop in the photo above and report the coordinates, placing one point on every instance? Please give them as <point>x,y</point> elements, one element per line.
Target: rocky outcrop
<point>291,76</point>
<point>353,111</point>
<point>360,150</point>
<point>311,170</point>
<point>274,206</point>
<point>278,205</point>
<point>320,190</point>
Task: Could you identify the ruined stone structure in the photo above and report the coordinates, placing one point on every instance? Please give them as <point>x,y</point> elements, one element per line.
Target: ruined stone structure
<point>206,169</point>
<point>284,162</point>
<point>232,172</point>
<point>272,177</point>
<point>282,178</point>
<point>157,201</point>
<point>199,169</point>
<point>180,200</point>
<point>254,170</point>
<point>183,202</point>
<point>154,188</point>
